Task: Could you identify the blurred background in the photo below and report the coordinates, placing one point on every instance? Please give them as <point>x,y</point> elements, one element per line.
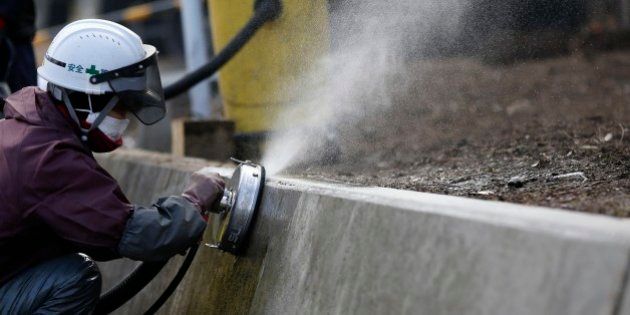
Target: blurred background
<point>558,20</point>
<point>448,96</point>
<point>495,32</point>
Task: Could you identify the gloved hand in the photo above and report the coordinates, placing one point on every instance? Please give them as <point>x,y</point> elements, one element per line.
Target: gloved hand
<point>205,191</point>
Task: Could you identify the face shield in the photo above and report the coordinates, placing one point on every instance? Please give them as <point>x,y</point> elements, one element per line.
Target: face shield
<point>138,87</point>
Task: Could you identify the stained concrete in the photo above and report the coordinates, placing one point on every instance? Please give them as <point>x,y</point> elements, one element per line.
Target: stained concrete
<point>322,248</point>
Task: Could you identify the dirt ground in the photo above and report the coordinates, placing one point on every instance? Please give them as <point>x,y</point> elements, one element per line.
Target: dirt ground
<point>552,132</point>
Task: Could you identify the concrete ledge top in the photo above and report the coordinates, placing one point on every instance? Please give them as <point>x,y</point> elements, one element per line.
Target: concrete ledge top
<point>559,222</point>
<point>545,220</point>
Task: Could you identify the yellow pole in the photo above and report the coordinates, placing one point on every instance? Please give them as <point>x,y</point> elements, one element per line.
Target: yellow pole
<point>253,83</point>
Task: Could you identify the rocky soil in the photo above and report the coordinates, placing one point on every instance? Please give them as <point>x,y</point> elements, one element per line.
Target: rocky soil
<point>552,132</point>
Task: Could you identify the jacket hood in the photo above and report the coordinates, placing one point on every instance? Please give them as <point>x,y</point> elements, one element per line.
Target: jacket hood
<point>34,106</point>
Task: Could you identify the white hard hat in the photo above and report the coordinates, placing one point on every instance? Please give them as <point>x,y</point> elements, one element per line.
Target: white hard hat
<point>95,56</point>
<point>88,47</point>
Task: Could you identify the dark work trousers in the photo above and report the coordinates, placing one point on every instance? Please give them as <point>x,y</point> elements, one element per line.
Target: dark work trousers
<point>22,71</point>
<point>17,66</point>
<point>69,284</point>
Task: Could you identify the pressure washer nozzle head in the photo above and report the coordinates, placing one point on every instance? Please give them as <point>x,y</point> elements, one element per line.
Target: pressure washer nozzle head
<point>239,205</point>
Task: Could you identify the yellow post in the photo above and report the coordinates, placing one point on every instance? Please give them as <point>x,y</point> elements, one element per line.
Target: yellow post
<point>252,82</point>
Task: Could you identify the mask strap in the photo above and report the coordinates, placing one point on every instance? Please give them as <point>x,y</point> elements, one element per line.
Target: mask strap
<point>108,108</point>
<point>90,102</point>
<point>73,114</point>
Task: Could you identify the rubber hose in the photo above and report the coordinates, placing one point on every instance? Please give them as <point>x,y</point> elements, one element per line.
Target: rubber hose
<point>175,282</point>
<point>265,10</point>
<point>129,287</point>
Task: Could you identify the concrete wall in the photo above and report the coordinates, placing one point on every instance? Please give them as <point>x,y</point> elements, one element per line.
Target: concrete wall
<point>320,248</point>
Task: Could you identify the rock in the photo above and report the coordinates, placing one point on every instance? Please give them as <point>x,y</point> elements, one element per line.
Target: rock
<point>517,181</point>
<point>608,137</point>
<point>517,106</point>
<point>485,192</point>
<point>569,176</point>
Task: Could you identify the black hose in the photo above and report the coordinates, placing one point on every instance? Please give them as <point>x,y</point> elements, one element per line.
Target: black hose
<point>265,10</point>
<point>129,287</point>
<point>175,282</point>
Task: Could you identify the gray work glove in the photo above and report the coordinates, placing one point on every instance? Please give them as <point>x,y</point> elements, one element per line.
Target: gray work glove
<point>205,191</point>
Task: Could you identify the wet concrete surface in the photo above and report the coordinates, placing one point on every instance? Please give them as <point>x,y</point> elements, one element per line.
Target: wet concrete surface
<point>321,248</point>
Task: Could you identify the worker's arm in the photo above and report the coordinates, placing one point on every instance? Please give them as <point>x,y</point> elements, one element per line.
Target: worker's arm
<point>156,233</point>
<point>85,206</point>
<point>174,223</point>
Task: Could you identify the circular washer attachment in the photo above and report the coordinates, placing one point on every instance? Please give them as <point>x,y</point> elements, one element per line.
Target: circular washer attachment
<point>238,207</point>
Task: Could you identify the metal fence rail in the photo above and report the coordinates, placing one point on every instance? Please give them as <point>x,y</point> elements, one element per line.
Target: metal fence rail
<point>137,13</point>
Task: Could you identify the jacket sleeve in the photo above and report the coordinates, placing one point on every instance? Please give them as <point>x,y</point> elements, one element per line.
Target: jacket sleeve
<point>171,226</point>
<point>84,205</point>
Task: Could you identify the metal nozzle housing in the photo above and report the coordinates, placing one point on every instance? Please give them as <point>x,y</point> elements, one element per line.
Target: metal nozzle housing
<point>238,207</point>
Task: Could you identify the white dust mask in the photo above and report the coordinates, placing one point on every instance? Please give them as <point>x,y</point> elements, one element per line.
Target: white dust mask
<point>110,126</point>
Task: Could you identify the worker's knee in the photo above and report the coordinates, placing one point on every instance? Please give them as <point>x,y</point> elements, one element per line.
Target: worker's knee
<point>78,284</point>
<point>78,271</point>
<point>69,284</point>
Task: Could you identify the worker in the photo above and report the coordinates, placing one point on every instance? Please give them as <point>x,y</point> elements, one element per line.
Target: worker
<point>60,209</point>
<point>17,29</point>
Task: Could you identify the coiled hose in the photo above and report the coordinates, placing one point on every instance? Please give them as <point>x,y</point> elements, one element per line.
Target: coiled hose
<point>264,11</point>
<point>129,287</point>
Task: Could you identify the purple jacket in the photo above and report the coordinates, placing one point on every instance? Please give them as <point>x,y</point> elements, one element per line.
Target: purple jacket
<point>55,198</point>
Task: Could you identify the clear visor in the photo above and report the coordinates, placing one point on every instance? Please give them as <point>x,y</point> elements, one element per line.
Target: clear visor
<point>139,89</point>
